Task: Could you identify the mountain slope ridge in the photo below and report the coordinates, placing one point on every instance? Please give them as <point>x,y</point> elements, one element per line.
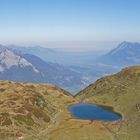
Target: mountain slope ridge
<point>122,92</point>
<point>125,54</point>
<point>26,108</point>
<point>30,68</point>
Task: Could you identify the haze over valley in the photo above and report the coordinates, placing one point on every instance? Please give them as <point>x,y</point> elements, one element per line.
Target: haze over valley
<point>72,71</point>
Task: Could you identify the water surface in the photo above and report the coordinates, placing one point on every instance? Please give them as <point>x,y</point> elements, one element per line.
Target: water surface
<point>93,112</point>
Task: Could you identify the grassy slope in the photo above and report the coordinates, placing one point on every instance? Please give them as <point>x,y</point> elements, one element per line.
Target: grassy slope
<point>26,109</point>
<point>122,92</point>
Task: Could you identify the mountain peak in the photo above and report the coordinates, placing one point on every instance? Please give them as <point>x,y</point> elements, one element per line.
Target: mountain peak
<point>9,58</point>
<point>128,43</point>
<point>125,54</point>
<point>125,46</point>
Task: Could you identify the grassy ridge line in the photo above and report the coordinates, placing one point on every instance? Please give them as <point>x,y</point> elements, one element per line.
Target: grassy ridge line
<point>122,92</point>
<point>26,108</point>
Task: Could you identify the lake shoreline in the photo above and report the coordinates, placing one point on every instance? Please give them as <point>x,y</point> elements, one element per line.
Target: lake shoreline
<point>106,109</point>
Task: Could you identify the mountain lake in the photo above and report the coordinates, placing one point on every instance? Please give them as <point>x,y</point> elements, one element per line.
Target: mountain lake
<point>85,111</point>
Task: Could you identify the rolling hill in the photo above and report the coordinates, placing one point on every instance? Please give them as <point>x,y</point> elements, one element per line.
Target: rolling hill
<point>40,111</point>
<point>122,92</point>
<point>26,108</point>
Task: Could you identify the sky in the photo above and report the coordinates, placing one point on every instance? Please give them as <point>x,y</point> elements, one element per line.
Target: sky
<point>42,22</point>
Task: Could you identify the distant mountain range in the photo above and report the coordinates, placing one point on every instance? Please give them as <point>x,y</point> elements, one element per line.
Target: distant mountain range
<point>125,54</point>
<point>74,72</point>
<point>30,68</point>
<point>63,56</point>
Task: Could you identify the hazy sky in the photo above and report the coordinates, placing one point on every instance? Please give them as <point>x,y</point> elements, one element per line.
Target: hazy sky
<point>43,21</point>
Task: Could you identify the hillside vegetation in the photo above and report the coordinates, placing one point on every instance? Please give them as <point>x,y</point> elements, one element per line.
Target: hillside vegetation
<point>26,109</point>
<point>40,111</point>
<point>122,92</point>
